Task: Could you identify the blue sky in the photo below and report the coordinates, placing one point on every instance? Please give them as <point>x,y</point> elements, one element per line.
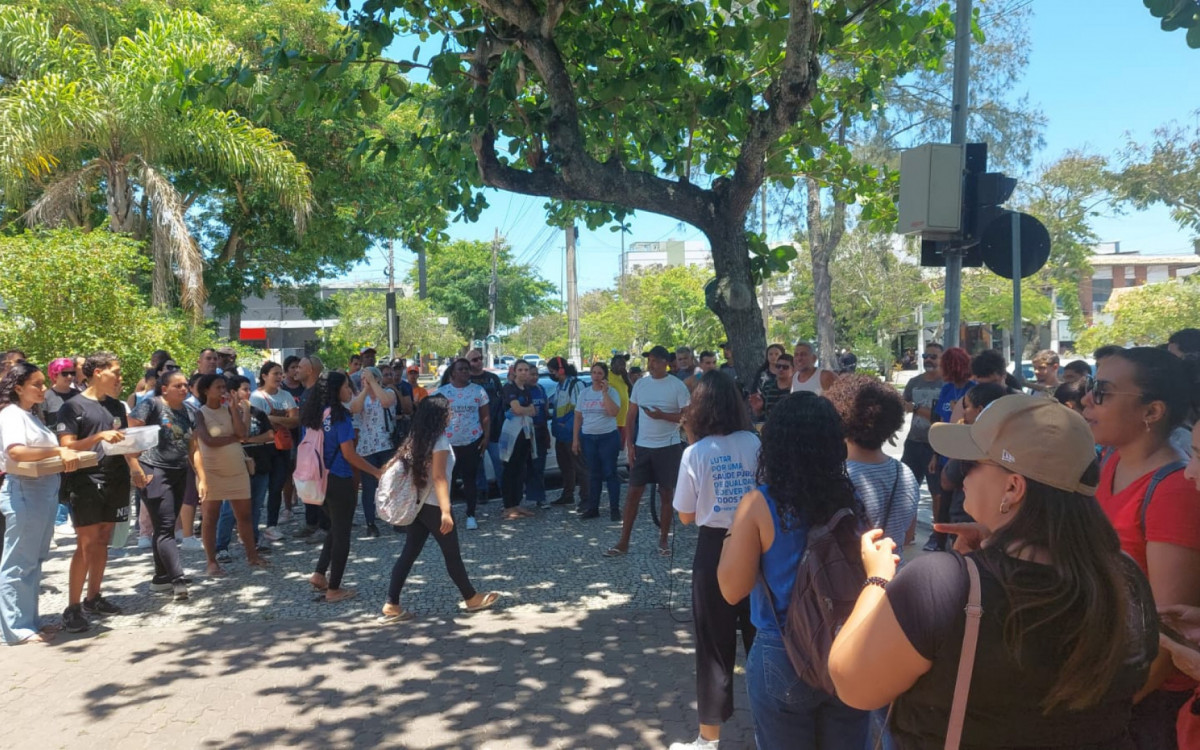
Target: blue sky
<point>1100,70</point>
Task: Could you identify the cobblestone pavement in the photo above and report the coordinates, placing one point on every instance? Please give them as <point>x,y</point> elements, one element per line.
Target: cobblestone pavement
<point>582,651</point>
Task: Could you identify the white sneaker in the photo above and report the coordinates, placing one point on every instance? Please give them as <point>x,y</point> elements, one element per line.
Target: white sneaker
<point>191,544</point>
<point>285,516</point>
<point>144,542</point>
<point>471,525</point>
<point>271,533</point>
<point>697,744</point>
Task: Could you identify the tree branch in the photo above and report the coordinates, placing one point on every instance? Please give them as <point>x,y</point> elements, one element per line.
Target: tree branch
<point>787,94</point>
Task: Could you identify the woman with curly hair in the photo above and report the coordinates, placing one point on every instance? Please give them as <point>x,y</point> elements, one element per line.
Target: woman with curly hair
<point>29,504</point>
<point>802,483</point>
<point>956,374</point>
<point>717,469</point>
<point>872,413</point>
<point>428,458</point>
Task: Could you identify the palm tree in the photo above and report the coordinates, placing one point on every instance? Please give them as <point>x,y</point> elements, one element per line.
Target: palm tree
<point>77,115</point>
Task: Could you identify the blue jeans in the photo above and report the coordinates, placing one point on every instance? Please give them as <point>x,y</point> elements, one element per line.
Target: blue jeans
<point>259,483</point>
<point>63,515</point>
<point>370,484</point>
<point>29,506</point>
<point>481,482</point>
<point>600,452</point>
<point>788,712</point>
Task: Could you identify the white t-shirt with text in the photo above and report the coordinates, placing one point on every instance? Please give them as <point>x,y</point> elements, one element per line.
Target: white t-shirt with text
<point>714,475</point>
<point>667,393</point>
<point>590,404</point>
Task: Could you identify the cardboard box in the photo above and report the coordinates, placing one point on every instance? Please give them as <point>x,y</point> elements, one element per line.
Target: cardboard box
<point>47,466</point>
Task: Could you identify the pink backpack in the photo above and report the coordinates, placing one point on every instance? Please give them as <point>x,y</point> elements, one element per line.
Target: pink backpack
<point>311,474</point>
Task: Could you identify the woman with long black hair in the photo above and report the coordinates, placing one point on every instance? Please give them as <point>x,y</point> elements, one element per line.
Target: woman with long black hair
<point>428,458</point>
<point>802,484</point>
<point>324,410</point>
<point>717,469</point>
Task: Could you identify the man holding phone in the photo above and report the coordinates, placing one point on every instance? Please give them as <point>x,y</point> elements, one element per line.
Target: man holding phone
<point>657,402</point>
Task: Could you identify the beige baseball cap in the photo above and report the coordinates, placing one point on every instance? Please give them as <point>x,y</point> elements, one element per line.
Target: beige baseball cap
<point>1037,438</point>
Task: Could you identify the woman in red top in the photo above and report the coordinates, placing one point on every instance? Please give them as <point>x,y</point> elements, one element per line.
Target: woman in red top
<point>1139,397</point>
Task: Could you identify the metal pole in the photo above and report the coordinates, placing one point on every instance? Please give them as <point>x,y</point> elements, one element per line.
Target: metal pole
<point>572,302</point>
<point>493,292</point>
<point>421,270</point>
<point>391,301</point>
<point>1018,346</point>
<point>958,134</point>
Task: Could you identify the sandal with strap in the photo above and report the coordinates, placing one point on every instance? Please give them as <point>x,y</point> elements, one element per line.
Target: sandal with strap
<point>487,601</point>
<point>400,615</point>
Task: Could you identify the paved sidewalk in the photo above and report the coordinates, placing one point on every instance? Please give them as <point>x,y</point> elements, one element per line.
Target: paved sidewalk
<point>582,651</point>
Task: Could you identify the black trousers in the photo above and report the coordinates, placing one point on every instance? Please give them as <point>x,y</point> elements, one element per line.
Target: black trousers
<point>340,503</point>
<point>427,522</point>
<point>466,465</point>
<point>512,486</point>
<point>574,472</point>
<point>717,625</point>
<point>163,497</point>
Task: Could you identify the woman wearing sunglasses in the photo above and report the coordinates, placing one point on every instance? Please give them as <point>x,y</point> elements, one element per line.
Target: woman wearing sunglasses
<point>1139,397</point>
<point>1067,630</point>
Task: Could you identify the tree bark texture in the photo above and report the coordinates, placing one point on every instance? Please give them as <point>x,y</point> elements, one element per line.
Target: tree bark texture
<point>119,196</point>
<point>731,295</point>
<point>824,236</point>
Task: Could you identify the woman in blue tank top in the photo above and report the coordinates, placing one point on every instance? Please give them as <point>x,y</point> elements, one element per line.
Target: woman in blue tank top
<point>802,483</point>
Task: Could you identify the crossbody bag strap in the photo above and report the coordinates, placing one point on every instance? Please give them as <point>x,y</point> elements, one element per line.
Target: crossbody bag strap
<point>966,661</point>
<point>887,509</point>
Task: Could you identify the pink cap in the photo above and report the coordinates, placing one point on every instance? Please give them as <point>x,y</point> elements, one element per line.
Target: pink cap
<point>58,365</point>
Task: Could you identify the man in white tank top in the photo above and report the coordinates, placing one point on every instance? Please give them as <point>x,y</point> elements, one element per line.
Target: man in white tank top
<point>807,377</point>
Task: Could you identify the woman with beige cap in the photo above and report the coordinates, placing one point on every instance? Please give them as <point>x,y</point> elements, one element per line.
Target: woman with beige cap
<point>1062,625</point>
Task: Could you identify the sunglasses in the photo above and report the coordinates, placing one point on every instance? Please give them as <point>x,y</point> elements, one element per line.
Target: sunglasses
<point>783,366</point>
<point>929,356</point>
<point>68,373</point>
<point>1100,392</point>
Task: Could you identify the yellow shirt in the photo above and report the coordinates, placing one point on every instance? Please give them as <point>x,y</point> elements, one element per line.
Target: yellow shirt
<point>616,381</point>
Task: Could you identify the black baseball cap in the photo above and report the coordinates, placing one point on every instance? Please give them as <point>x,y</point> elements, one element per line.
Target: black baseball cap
<point>659,352</point>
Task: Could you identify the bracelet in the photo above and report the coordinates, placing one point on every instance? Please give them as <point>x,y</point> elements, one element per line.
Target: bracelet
<point>875,581</point>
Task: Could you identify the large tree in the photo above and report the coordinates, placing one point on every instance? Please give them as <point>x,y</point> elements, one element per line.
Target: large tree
<point>462,274</point>
<point>1166,170</point>
<point>79,111</point>
<point>677,109</point>
<point>362,321</point>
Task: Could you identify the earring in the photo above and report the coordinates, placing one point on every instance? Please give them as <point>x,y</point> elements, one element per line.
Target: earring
<point>1147,423</point>
<point>1004,507</point>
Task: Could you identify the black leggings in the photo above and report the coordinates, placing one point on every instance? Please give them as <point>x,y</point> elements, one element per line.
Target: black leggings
<point>163,498</point>
<point>717,624</point>
<point>429,521</point>
<point>340,502</point>
<point>512,485</point>
<point>466,464</point>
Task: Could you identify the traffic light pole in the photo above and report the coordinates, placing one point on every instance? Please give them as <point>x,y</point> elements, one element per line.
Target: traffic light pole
<point>1017,323</point>
<point>958,134</point>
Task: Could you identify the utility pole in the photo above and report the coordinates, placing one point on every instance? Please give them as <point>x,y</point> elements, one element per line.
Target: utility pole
<point>393,334</point>
<point>421,270</point>
<point>766,292</point>
<point>493,290</point>
<point>621,270</point>
<point>958,134</point>
<point>572,300</point>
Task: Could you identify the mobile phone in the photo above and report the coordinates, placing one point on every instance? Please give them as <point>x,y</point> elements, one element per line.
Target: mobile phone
<point>1176,636</point>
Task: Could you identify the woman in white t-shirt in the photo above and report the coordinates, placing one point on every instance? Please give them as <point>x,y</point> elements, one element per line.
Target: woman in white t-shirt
<point>599,441</point>
<point>718,468</point>
<point>429,459</point>
<point>29,504</point>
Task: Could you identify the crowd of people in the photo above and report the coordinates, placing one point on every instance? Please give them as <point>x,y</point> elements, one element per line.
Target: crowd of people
<point>1067,514</point>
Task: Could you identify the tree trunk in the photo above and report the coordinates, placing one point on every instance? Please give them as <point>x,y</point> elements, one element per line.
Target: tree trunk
<point>235,324</point>
<point>731,296</point>
<point>121,216</point>
<point>160,285</point>
<point>823,240</point>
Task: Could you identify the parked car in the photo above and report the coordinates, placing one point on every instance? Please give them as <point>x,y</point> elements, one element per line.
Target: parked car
<point>533,359</point>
